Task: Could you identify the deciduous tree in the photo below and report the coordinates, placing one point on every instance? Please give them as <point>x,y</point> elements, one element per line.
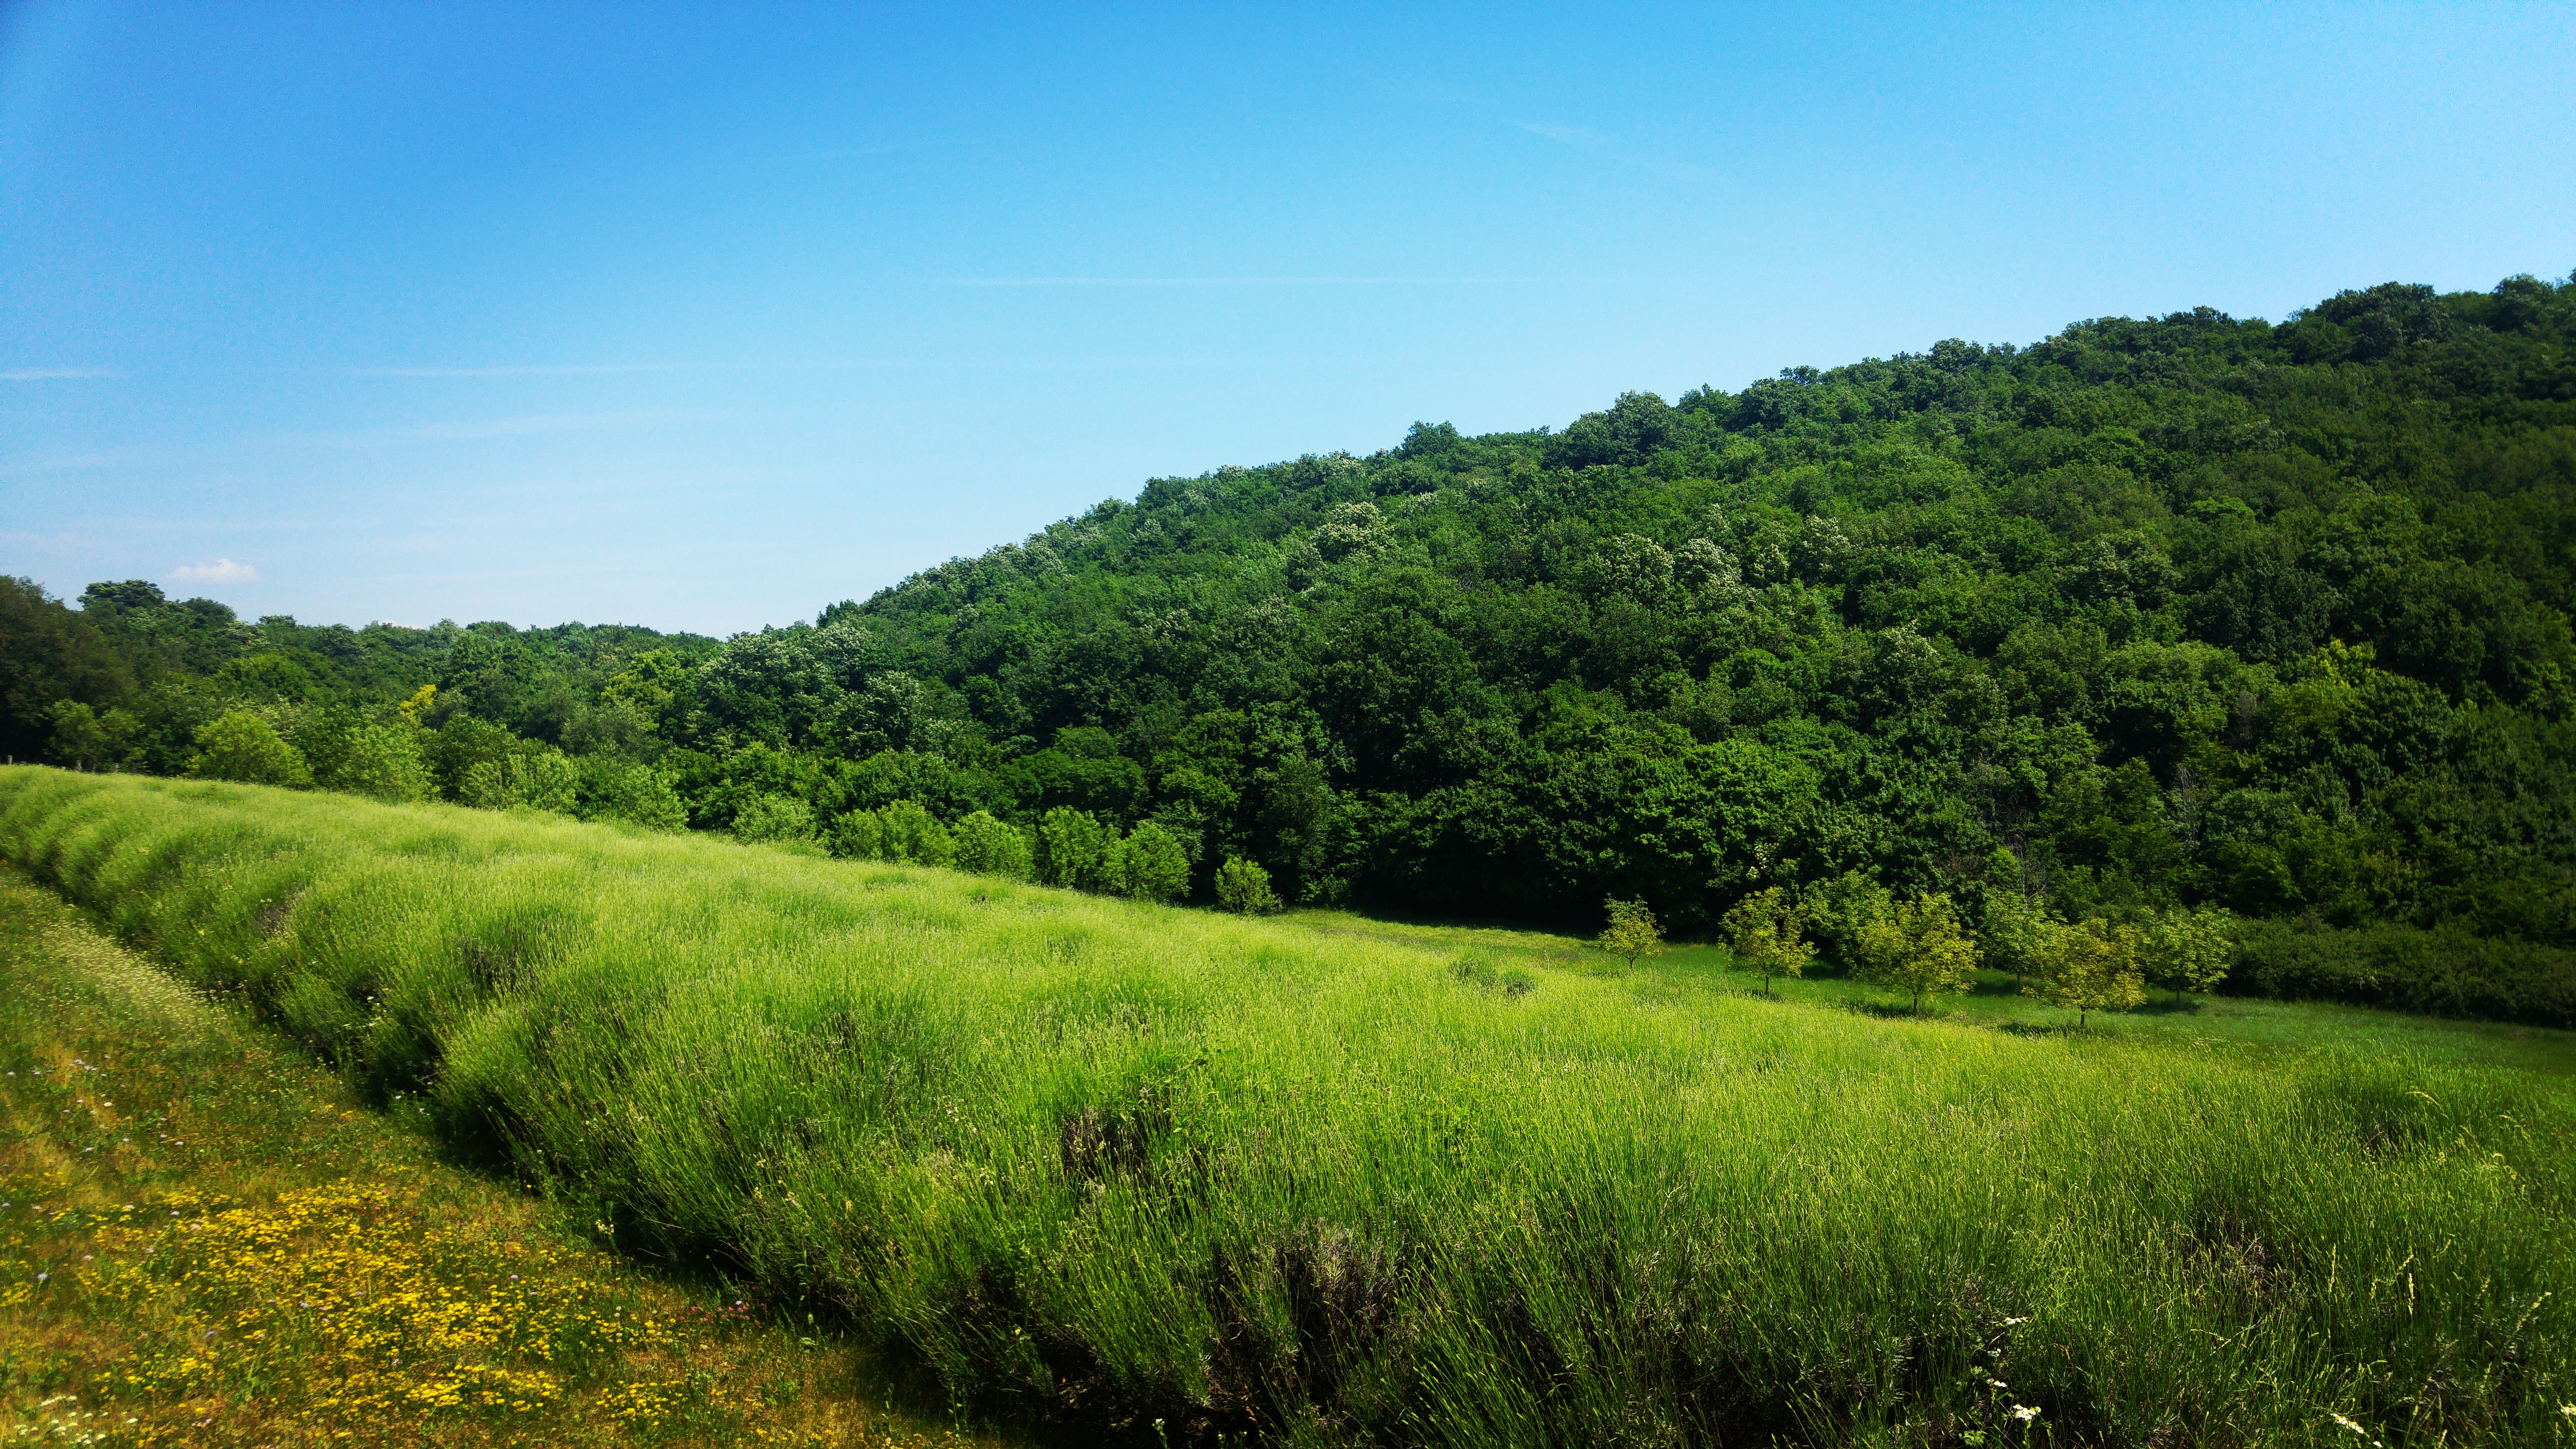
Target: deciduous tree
<point>1919,947</point>
<point>1767,933</point>
<point>1633,932</point>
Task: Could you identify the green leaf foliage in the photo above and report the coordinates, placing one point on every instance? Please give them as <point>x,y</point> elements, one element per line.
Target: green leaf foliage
<point>2175,614</point>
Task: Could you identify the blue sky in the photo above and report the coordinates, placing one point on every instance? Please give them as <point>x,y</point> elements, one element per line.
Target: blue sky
<point>704,318</point>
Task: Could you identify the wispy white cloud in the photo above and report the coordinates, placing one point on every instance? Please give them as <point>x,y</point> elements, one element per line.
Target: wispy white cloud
<point>58,545</point>
<point>60,463</point>
<point>1564,135</point>
<point>1662,168</point>
<point>567,370</point>
<point>472,430</point>
<point>221,571</point>
<point>1233,281</point>
<point>57,374</point>
<point>843,153</point>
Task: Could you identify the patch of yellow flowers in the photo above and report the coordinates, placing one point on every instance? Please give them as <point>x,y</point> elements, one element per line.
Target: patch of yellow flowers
<point>331,1300</point>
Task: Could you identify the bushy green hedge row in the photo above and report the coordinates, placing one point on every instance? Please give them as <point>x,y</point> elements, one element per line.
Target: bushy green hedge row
<point>2443,973</point>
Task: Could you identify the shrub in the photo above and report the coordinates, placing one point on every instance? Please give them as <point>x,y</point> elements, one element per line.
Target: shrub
<point>2446,973</point>
<point>859,835</point>
<point>1151,864</point>
<point>239,745</point>
<point>615,789</point>
<point>380,761</point>
<point>774,818</point>
<point>914,835</point>
<point>545,780</point>
<point>1244,887</point>
<point>1074,848</point>
<point>988,846</point>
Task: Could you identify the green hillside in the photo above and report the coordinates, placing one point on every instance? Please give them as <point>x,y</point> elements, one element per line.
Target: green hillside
<point>1174,1175</point>
<point>2186,613</point>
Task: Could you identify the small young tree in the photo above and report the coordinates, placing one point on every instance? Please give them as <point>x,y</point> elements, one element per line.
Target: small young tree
<point>239,745</point>
<point>2190,950</point>
<point>1244,887</point>
<point>1767,934</point>
<point>1918,947</point>
<point>1842,911</point>
<point>1151,864</point>
<point>2015,932</point>
<point>1632,933</point>
<point>2088,968</point>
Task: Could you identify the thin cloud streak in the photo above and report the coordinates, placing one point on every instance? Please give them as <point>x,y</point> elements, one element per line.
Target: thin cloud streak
<point>59,374</point>
<point>1564,135</point>
<point>465,432</point>
<point>565,370</point>
<point>1238,281</point>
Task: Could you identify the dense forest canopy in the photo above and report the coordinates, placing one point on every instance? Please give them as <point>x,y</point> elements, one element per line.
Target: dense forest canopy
<point>2187,611</point>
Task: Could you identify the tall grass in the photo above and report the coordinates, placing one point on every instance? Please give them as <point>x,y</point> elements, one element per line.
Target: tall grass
<point>1128,1163</point>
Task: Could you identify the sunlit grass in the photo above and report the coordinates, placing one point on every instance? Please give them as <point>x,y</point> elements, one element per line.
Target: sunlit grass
<point>1997,1000</point>
<point>203,1242</point>
<point>1121,1163</point>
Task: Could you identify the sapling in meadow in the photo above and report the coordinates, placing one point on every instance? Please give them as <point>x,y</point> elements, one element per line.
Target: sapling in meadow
<point>364,757</point>
<point>859,835</point>
<point>1919,947</point>
<point>1766,933</point>
<point>85,739</point>
<point>2090,967</point>
<point>1633,933</point>
<point>2190,950</point>
<point>2014,931</point>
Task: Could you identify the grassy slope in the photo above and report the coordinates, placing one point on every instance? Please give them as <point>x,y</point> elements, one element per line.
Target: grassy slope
<point>1688,970</point>
<point>204,1241</point>
<point>1122,1162</point>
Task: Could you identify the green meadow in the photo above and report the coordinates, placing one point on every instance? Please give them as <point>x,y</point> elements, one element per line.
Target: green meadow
<point>1173,1175</point>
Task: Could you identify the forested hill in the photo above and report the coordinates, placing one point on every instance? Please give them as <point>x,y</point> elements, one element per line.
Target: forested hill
<point>2178,611</point>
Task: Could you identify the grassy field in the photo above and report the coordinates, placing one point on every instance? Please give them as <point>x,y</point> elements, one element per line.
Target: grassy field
<point>204,1240</point>
<point>1997,1001</point>
<point>1176,1175</point>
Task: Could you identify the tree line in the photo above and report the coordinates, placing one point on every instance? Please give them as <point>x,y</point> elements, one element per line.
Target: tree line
<point>2152,619</point>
